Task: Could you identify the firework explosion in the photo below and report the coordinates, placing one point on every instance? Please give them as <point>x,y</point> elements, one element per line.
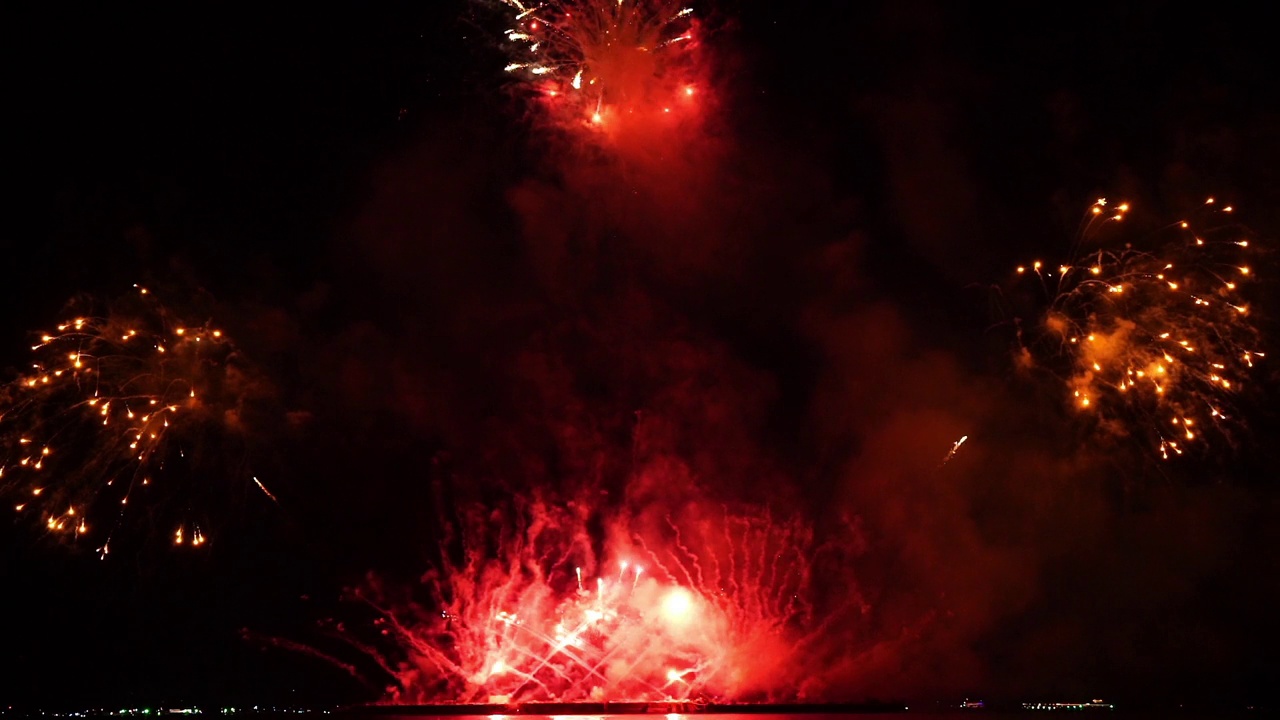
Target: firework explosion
<point>607,64</point>
<point>134,407</point>
<point>1154,343</point>
<point>722,607</point>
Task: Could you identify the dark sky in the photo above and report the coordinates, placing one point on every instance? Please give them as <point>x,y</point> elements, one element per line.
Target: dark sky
<point>433,288</point>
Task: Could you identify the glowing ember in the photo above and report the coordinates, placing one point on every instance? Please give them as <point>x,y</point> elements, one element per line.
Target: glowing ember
<point>1152,343</point>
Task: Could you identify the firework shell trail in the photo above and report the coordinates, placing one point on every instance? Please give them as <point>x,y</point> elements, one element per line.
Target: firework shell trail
<point>623,71</point>
<point>1153,338</point>
<point>720,607</point>
<point>125,412</point>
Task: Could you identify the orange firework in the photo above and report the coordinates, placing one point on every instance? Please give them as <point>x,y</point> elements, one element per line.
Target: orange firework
<point>606,63</point>
<point>1153,341</point>
<point>132,406</point>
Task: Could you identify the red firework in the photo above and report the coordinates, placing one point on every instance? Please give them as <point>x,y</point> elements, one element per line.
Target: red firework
<point>611,68</point>
<point>713,607</point>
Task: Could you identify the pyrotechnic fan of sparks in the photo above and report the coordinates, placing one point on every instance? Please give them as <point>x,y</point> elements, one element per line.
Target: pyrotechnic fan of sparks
<point>1153,342</point>
<point>598,61</point>
<point>722,610</point>
<point>117,410</point>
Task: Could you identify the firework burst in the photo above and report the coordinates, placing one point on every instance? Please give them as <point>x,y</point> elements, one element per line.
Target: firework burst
<point>719,607</point>
<point>1153,342</point>
<point>607,64</point>
<point>131,407</point>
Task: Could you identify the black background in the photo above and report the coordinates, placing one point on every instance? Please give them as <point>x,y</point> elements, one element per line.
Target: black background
<point>239,149</point>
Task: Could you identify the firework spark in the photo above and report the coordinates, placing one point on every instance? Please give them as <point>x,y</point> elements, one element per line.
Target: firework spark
<point>1156,342</point>
<point>603,64</point>
<point>265,491</point>
<point>722,608</point>
<point>133,408</point>
<point>955,448</point>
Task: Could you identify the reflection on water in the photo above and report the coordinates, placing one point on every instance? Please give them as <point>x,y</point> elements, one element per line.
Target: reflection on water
<point>929,711</point>
<point>915,714</point>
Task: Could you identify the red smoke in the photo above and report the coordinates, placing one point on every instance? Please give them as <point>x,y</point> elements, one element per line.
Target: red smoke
<point>687,332</point>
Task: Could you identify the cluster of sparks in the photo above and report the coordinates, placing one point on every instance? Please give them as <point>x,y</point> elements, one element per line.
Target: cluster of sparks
<point>1155,343</point>
<point>599,63</point>
<point>108,415</point>
<point>722,614</point>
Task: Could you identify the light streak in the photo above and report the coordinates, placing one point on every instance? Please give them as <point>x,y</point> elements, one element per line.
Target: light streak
<point>955,448</point>
<point>265,491</point>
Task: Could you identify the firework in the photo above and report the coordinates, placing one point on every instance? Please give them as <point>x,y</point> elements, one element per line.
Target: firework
<point>130,411</point>
<point>1155,342</point>
<point>603,64</point>
<point>720,608</point>
<point>955,448</point>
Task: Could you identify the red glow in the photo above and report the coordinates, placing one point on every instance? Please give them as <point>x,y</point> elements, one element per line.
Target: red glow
<point>677,606</point>
<point>722,609</point>
<point>616,66</point>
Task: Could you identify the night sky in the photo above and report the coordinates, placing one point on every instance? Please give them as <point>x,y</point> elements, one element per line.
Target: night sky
<point>797,304</point>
